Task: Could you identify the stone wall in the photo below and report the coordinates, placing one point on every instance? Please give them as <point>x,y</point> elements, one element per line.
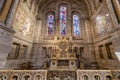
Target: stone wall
<point>6,36</point>
<point>106,33</point>
<point>6,32</point>
<point>23,24</point>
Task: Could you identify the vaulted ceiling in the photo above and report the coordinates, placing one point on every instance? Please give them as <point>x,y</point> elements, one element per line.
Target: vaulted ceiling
<point>87,3</point>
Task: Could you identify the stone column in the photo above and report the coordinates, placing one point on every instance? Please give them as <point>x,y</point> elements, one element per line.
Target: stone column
<point>12,10</point>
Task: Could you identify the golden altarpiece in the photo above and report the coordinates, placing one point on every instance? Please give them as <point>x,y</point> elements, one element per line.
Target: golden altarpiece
<point>62,61</point>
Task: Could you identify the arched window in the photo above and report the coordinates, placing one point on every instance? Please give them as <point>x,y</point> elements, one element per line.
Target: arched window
<point>50,25</point>
<point>63,19</point>
<point>76,25</point>
<point>85,77</point>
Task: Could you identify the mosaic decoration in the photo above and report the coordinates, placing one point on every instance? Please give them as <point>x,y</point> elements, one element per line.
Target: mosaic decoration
<point>100,23</point>
<point>23,23</point>
<point>103,22</point>
<point>50,25</point>
<point>76,25</point>
<point>63,12</point>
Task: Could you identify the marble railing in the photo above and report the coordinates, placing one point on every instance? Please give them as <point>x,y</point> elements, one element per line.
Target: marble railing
<point>42,75</point>
<point>23,74</point>
<point>98,74</point>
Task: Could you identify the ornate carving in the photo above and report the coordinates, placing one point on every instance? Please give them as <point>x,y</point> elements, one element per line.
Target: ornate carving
<point>63,53</point>
<point>63,45</point>
<point>61,75</point>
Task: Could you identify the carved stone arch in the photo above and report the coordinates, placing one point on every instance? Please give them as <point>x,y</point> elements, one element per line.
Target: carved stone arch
<point>85,75</point>
<point>15,76</point>
<point>75,11</point>
<point>49,13</point>
<point>38,77</point>
<point>27,76</point>
<point>79,12</point>
<point>3,77</point>
<point>108,76</point>
<point>67,3</point>
<point>96,74</point>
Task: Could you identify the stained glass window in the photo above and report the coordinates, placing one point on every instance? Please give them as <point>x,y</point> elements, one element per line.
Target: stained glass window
<point>63,12</point>
<point>76,25</point>
<point>50,25</point>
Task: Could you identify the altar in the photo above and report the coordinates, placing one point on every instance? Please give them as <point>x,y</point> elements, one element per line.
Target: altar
<point>63,57</point>
<point>62,62</point>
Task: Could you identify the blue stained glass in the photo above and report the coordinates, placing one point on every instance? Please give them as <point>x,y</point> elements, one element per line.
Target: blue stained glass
<point>50,24</point>
<point>63,20</point>
<point>76,25</point>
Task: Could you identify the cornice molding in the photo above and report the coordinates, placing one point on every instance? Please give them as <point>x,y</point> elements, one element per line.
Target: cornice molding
<point>7,28</point>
